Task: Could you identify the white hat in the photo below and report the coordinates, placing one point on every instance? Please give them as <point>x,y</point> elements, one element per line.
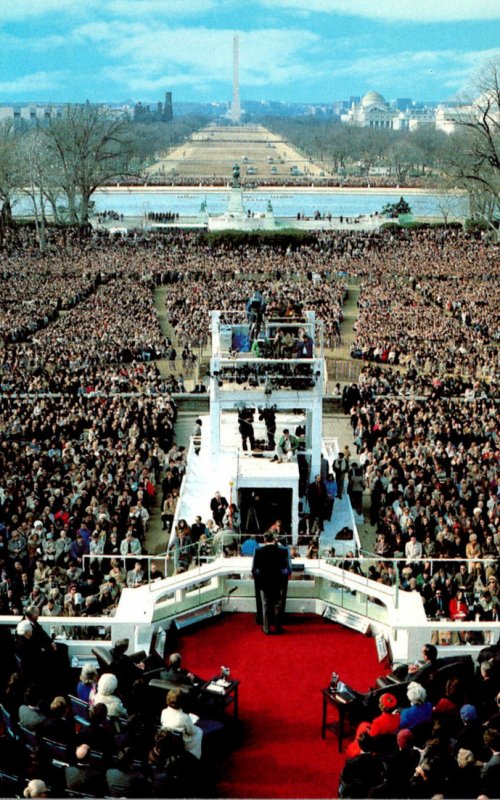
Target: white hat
<point>35,788</point>
<point>23,627</point>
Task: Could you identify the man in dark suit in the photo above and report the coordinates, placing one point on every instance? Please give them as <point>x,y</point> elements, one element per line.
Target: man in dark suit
<point>218,505</point>
<point>422,671</point>
<point>316,497</point>
<point>82,777</point>
<point>179,676</point>
<point>271,570</point>
<point>123,780</point>
<point>490,771</point>
<point>127,669</point>
<point>176,676</point>
<point>437,607</point>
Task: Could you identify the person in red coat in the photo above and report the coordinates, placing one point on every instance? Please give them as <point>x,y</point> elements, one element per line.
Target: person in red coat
<point>388,720</point>
<point>459,609</point>
<point>353,749</point>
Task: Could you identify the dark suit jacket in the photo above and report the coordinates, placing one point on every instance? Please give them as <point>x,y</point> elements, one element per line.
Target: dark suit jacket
<point>490,776</point>
<point>86,780</point>
<point>126,784</point>
<point>270,567</point>
<point>316,496</point>
<point>218,508</point>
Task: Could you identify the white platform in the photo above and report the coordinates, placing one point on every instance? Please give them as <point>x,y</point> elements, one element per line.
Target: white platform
<point>234,469</point>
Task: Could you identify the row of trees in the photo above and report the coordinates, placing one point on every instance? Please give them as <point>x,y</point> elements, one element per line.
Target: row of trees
<point>338,147</point>
<point>60,165</point>
<point>468,159</point>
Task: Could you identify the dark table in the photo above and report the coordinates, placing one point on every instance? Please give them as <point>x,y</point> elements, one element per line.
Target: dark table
<point>341,704</point>
<point>224,698</point>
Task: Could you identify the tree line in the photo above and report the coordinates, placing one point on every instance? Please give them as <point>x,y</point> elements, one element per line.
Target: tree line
<point>467,159</point>
<point>59,164</point>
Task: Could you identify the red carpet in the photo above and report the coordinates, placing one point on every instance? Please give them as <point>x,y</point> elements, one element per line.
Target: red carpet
<point>281,752</point>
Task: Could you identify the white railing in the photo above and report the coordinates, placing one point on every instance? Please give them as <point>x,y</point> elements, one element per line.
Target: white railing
<point>162,558</point>
<point>226,584</point>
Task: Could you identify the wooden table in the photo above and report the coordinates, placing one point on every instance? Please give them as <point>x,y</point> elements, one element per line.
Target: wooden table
<point>227,697</point>
<point>335,700</point>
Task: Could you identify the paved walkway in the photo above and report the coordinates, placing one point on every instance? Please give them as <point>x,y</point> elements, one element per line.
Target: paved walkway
<point>339,424</point>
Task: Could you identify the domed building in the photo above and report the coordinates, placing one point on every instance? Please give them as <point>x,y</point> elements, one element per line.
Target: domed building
<point>372,112</point>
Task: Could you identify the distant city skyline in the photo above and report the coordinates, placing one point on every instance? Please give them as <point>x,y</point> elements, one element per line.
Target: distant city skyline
<point>305,51</point>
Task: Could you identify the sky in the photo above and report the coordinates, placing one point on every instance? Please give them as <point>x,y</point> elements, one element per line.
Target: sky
<point>291,50</point>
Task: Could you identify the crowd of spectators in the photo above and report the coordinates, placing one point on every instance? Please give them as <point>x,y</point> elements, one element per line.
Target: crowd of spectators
<point>87,421</point>
<point>287,282</point>
<point>432,306</point>
<point>102,733</point>
<point>441,738</point>
<point>162,178</point>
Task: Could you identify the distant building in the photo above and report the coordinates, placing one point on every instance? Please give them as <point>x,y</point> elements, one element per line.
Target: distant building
<point>371,112</point>
<point>23,115</point>
<point>31,113</point>
<point>413,118</point>
<point>402,103</point>
<point>161,112</point>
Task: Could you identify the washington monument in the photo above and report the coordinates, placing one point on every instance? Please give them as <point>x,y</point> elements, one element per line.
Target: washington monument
<point>235,106</point>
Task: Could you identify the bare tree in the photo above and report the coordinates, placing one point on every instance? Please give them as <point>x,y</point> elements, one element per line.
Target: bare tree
<point>9,172</point>
<point>450,204</point>
<point>475,163</point>
<point>38,178</point>
<point>89,148</point>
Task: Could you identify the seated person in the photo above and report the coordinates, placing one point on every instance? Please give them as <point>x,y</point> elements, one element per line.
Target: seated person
<point>30,714</point>
<point>420,671</point>
<point>126,668</point>
<point>361,773</point>
<point>400,766</point>
<point>388,721</point>
<point>225,541</point>
<point>286,447</point>
<point>83,778</point>
<point>353,748</point>
<point>179,676</point>
<point>59,725</point>
<point>420,709</point>
<point>123,780</point>
<point>304,345</point>
<point>174,772</point>
<point>106,689</point>
<point>99,735</point>
<point>174,718</point>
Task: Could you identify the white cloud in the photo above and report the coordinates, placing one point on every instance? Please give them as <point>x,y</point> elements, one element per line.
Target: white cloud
<point>452,68</point>
<point>34,83</point>
<point>146,58</point>
<point>394,10</point>
<point>18,10</point>
<point>159,8</point>
<point>380,64</point>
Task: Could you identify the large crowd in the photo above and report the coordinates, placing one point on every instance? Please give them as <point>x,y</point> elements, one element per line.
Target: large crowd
<point>87,432</point>
<point>162,178</point>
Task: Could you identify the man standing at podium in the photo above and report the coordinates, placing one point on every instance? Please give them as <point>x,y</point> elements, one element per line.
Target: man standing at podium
<point>271,570</point>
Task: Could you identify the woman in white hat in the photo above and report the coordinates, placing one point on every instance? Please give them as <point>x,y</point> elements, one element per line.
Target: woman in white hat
<point>36,788</point>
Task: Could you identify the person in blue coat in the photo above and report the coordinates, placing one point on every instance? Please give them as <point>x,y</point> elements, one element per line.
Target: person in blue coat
<point>420,709</point>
